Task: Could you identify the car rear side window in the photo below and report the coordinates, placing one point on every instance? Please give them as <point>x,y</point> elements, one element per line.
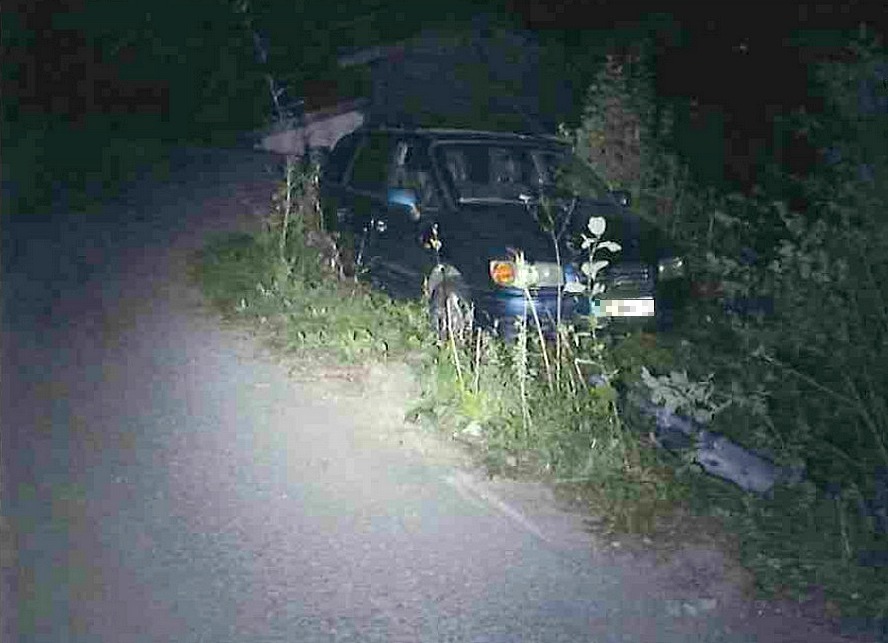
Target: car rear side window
<point>493,172</point>
<point>486,172</point>
<point>339,158</point>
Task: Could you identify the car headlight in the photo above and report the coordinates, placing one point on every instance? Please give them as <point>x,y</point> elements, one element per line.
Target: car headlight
<point>671,268</point>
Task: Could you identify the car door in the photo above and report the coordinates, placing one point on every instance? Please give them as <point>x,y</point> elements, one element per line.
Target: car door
<point>392,248</point>
<point>335,200</point>
<point>360,193</point>
<point>402,235</point>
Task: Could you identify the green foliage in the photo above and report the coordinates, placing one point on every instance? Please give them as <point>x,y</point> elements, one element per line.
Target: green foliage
<point>624,134</point>
<point>245,279</point>
<point>230,266</point>
<point>676,392</point>
<point>800,539</point>
<point>569,433</point>
<point>47,158</point>
<point>137,78</point>
<point>807,382</point>
<point>287,280</point>
<point>635,351</point>
<point>826,273</point>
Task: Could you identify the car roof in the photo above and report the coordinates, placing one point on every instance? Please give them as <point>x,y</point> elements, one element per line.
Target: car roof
<point>455,134</point>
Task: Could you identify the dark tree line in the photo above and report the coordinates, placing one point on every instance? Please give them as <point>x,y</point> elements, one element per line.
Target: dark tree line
<point>81,76</point>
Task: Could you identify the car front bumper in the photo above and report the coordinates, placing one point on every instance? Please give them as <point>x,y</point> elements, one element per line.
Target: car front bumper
<point>506,306</point>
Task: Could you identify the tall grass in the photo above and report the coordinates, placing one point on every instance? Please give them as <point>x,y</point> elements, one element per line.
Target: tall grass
<point>528,407</point>
<point>288,280</point>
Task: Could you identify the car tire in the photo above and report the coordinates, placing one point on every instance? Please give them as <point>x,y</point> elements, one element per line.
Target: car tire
<point>452,299</point>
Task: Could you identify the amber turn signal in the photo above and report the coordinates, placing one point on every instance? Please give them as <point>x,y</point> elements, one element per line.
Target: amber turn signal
<point>502,272</point>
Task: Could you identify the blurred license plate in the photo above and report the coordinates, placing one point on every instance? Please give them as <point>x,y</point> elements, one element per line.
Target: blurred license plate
<point>625,307</point>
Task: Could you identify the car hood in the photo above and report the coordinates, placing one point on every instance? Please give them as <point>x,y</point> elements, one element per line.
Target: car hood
<point>494,231</point>
<point>481,232</point>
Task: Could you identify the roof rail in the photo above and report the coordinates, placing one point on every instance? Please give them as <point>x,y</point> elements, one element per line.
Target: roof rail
<point>396,125</point>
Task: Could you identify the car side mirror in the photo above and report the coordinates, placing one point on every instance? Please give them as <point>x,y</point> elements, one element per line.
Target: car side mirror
<point>622,197</point>
<point>401,199</point>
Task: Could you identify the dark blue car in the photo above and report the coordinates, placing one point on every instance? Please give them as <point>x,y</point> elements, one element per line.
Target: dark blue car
<point>457,216</point>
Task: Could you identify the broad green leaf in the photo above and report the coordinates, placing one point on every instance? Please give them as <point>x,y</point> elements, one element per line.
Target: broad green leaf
<point>597,226</point>
<point>612,246</point>
<point>591,269</point>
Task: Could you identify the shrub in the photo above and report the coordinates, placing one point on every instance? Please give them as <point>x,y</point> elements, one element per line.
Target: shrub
<point>804,376</point>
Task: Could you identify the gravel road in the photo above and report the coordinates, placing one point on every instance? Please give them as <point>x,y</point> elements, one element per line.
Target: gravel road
<point>167,480</point>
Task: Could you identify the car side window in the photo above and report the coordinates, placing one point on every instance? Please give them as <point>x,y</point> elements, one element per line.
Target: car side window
<point>369,171</point>
<point>410,168</point>
<point>506,166</point>
<point>339,158</point>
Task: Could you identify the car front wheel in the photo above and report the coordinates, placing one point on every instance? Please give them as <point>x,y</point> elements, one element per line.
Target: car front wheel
<point>450,312</point>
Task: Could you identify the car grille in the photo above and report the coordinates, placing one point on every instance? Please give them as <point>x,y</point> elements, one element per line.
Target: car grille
<point>628,279</point>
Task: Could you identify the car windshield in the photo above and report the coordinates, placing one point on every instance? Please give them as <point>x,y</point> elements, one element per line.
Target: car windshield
<point>496,172</point>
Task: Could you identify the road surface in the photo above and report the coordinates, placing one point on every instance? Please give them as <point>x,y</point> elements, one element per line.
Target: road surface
<point>166,480</point>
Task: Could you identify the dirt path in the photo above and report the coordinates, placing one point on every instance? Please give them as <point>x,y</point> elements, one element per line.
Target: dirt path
<point>168,481</point>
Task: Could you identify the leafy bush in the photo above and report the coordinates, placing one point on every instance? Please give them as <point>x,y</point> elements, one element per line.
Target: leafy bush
<point>791,355</point>
<point>825,342</point>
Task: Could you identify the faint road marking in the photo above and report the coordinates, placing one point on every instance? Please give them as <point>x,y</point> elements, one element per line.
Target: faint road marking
<point>469,489</point>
